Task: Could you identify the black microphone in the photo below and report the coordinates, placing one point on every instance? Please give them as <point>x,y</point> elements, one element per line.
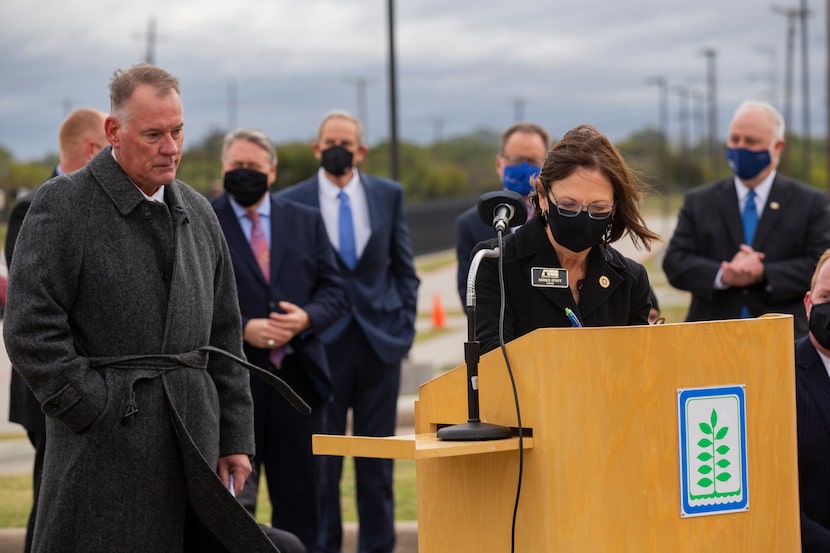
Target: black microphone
<point>502,208</point>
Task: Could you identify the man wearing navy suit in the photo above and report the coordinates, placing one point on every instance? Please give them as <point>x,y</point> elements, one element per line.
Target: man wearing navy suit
<point>289,291</point>
<point>365,223</point>
<point>521,154</point>
<point>745,246</point>
<point>812,392</point>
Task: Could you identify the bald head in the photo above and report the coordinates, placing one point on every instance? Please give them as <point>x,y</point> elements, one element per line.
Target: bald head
<point>81,137</point>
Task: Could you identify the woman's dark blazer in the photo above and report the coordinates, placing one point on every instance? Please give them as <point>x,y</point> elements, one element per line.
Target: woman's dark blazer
<point>614,293</point>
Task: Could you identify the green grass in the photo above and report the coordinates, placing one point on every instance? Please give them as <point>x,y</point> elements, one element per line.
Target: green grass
<point>406,505</point>
<point>16,496</point>
<point>15,500</point>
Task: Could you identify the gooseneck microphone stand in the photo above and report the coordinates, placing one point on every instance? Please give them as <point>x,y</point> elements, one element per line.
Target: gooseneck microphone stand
<point>497,209</point>
<point>473,429</point>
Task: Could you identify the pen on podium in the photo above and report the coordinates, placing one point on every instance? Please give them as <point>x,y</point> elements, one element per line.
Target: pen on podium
<point>572,317</point>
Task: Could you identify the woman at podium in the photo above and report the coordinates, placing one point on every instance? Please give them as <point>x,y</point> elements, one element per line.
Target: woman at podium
<point>559,269</point>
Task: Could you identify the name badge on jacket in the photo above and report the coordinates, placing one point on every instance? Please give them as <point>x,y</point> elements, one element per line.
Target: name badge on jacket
<point>549,277</point>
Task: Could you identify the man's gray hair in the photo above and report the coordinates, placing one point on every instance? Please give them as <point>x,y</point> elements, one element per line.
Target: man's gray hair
<point>342,114</point>
<point>124,83</point>
<point>776,120</point>
<point>251,135</point>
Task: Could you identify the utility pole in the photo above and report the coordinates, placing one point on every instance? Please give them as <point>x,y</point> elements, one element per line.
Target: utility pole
<point>362,110</point>
<point>151,41</point>
<point>711,86</point>
<point>518,109</point>
<point>393,96</point>
<point>827,98</point>
<point>805,94</point>
<point>771,75</point>
<point>151,37</point>
<point>791,14</point>
<point>232,104</point>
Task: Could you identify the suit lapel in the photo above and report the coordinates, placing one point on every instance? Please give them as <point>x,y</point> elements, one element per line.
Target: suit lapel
<point>601,279</point>
<point>778,200</point>
<point>375,207</point>
<point>236,238</point>
<point>814,377</point>
<point>279,228</point>
<point>730,211</point>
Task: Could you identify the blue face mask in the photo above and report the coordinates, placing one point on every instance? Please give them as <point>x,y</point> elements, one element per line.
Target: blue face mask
<point>517,177</point>
<point>746,164</point>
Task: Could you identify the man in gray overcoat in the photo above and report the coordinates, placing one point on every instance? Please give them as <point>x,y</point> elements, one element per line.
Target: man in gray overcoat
<point>122,312</point>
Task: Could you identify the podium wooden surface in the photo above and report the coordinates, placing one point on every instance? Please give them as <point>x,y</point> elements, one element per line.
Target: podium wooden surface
<point>601,471</point>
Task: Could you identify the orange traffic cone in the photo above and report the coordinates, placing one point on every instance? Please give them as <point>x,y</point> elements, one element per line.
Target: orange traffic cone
<point>438,315</point>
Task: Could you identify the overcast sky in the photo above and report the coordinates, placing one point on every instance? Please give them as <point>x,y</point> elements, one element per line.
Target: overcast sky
<point>462,64</point>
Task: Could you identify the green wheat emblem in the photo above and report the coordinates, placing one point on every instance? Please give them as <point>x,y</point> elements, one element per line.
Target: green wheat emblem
<point>712,456</point>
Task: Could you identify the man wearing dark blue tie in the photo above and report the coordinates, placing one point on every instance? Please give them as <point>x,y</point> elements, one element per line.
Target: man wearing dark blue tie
<point>290,291</point>
<point>365,223</point>
<point>747,245</point>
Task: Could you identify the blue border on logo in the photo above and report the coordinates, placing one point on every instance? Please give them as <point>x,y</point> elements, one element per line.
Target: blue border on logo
<point>683,397</point>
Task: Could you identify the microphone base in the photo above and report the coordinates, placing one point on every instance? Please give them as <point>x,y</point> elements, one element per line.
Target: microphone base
<point>474,431</point>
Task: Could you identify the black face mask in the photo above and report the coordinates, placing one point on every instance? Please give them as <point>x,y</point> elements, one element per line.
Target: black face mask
<point>246,185</point>
<point>820,323</point>
<point>576,233</point>
<point>336,160</point>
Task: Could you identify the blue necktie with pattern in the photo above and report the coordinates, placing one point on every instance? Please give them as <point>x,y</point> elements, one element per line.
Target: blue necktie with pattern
<point>345,229</point>
<point>750,222</point>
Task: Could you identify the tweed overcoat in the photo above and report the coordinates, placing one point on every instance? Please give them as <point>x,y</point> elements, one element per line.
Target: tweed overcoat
<point>110,298</point>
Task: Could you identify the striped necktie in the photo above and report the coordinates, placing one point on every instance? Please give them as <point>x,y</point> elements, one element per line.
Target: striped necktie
<point>259,244</point>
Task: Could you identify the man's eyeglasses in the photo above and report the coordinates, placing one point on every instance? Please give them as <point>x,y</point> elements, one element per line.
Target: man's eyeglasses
<point>570,208</point>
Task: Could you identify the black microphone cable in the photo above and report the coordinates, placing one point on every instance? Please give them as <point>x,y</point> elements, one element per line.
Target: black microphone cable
<point>502,302</point>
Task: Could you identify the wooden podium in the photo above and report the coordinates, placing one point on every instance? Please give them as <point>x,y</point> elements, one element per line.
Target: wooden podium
<point>603,468</point>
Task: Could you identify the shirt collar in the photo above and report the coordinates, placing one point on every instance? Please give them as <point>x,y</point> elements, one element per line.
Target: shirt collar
<point>158,196</point>
<point>761,191</point>
<point>331,190</point>
<point>264,208</point>
<point>825,360</point>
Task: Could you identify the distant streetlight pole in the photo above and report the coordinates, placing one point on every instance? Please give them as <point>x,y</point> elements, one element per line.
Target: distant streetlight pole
<point>663,131</point>
<point>683,115</point>
<point>711,86</point>
<point>393,96</point>
<point>698,101</point>
<point>771,75</point>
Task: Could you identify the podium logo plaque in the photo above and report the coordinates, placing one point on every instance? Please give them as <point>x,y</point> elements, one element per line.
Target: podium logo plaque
<point>712,448</point>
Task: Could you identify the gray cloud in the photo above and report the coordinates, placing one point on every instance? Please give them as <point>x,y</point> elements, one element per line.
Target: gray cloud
<point>462,64</point>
